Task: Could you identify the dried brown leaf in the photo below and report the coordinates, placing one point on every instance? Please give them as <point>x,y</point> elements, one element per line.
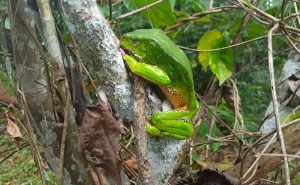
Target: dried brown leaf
<point>99,135</point>
<point>13,129</point>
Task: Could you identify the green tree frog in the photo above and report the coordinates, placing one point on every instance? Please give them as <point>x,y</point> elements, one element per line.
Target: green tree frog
<point>156,58</point>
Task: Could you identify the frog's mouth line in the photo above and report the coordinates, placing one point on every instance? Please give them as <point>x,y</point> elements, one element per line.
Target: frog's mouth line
<point>131,53</point>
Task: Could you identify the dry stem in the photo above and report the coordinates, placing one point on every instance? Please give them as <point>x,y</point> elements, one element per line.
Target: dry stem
<point>275,103</point>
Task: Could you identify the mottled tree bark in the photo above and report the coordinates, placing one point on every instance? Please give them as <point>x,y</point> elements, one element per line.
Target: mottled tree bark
<point>34,90</point>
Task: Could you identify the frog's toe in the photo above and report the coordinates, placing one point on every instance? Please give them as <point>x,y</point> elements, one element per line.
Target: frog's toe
<point>153,131</point>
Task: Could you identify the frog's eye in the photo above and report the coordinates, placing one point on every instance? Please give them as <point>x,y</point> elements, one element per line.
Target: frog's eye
<point>134,42</point>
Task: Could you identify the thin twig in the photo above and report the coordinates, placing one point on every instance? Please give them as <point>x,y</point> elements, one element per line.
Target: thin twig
<point>220,120</point>
<point>297,12</point>
<point>140,9</point>
<point>279,155</point>
<point>256,161</point>
<point>275,103</point>
<point>63,140</point>
<point>227,47</point>
<point>291,16</point>
<point>199,15</point>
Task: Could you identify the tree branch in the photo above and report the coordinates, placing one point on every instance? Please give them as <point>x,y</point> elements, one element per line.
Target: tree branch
<point>145,175</point>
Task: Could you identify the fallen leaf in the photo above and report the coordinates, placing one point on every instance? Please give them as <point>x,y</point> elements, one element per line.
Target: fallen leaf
<point>13,129</point>
<point>99,135</point>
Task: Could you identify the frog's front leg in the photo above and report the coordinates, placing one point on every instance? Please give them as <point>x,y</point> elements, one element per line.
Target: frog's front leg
<point>147,71</point>
<point>175,125</point>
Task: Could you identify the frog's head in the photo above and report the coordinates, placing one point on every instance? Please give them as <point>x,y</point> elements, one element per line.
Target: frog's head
<point>139,41</point>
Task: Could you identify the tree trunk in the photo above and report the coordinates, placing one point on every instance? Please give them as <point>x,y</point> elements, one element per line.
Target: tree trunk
<point>37,97</point>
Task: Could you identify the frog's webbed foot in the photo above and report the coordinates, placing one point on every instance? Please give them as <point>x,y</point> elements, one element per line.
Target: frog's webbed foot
<point>171,124</point>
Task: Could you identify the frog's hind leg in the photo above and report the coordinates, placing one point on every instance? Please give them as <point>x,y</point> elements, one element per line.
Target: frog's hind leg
<point>172,124</point>
<point>147,71</point>
<point>153,131</point>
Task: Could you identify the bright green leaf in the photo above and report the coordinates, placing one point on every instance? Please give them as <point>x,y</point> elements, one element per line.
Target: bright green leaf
<point>160,15</point>
<point>207,42</point>
<point>220,69</point>
<point>220,62</point>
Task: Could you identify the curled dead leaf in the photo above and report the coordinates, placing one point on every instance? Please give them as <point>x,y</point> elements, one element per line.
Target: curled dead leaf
<point>13,129</point>
<point>99,135</point>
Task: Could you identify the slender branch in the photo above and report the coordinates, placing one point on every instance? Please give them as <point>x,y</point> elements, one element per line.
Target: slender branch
<point>280,155</point>
<point>256,161</point>
<point>297,12</point>
<point>63,140</point>
<point>227,47</point>
<point>288,37</point>
<point>140,9</point>
<point>275,103</point>
<point>145,175</point>
<point>199,15</point>
<point>291,16</point>
<point>219,119</point>
<point>283,7</point>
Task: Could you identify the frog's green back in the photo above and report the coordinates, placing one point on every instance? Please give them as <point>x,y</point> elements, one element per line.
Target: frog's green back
<point>154,47</point>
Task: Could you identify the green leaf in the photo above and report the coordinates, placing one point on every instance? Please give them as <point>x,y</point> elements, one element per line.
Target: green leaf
<point>220,62</point>
<point>160,15</point>
<point>255,29</point>
<point>207,42</point>
<point>221,68</point>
